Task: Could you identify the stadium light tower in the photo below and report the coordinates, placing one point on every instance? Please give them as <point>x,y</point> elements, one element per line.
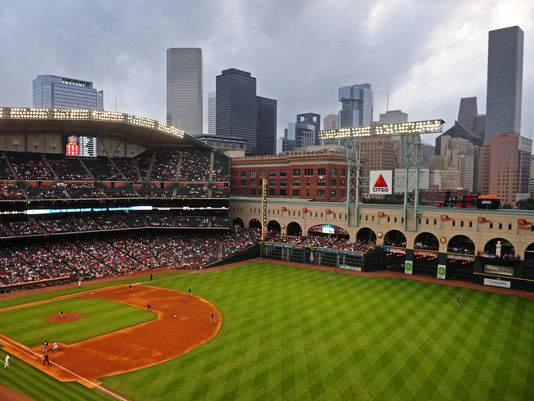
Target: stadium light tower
<point>409,132</point>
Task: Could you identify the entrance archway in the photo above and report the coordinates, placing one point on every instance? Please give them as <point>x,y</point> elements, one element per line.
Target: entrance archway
<point>294,229</point>
<point>395,238</point>
<point>366,235</point>
<point>426,256</point>
<point>460,258</point>
<point>274,227</point>
<point>426,241</point>
<point>254,224</point>
<point>237,223</point>
<point>461,244</point>
<point>499,248</point>
<point>529,252</point>
<point>395,250</point>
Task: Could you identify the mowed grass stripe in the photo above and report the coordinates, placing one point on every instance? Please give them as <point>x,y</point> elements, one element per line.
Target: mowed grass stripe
<point>39,386</point>
<point>304,334</point>
<point>30,326</point>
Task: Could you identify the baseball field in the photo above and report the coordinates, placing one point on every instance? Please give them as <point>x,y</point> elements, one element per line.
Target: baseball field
<point>281,332</point>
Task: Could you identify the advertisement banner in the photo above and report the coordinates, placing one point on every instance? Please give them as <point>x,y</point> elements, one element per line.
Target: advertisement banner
<point>497,283</point>
<point>408,267</point>
<point>442,271</point>
<point>381,182</point>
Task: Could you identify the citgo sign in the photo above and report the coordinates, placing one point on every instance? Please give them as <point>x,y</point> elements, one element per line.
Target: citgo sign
<point>380,182</point>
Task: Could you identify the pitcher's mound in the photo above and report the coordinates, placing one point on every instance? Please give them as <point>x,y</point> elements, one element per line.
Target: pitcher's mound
<point>67,317</point>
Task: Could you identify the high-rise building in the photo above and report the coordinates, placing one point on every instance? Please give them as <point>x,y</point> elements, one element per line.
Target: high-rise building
<point>304,132</point>
<point>54,92</point>
<point>356,106</point>
<point>461,155</point>
<point>236,106</point>
<point>505,81</point>
<point>266,126</point>
<point>212,113</point>
<point>184,89</point>
<point>390,117</point>
<point>393,116</point>
<point>330,122</point>
<point>504,166</point>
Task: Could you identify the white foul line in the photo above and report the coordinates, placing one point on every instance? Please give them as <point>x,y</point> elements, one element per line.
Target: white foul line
<point>10,342</point>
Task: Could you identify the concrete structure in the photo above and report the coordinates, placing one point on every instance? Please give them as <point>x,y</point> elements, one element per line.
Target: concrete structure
<point>505,81</point>
<point>212,113</point>
<point>331,122</point>
<point>231,147</point>
<point>54,92</point>
<point>184,89</point>
<point>505,166</point>
<point>317,173</point>
<point>266,126</point>
<point>357,106</point>
<point>480,226</point>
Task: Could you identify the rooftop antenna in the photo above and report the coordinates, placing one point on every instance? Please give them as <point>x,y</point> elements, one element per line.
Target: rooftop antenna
<point>387,97</point>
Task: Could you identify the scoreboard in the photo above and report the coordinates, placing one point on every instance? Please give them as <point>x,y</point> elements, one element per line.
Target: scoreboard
<point>82,146</point>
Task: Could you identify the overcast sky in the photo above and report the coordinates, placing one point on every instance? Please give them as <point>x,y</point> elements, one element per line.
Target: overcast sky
<point>432,52</point>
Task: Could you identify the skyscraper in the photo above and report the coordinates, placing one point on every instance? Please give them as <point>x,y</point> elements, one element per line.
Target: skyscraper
<point>184,89</point>
<point>212,113</point>
<point>303,132</point>
<point>330,122</point>
<point>505,81</point>
<point>53,92</point>
<point>266,126</point>
<point>356,106</point>
<point>236,107</point>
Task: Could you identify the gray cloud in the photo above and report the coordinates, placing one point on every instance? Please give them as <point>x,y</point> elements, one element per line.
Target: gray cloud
<point>431,52</point>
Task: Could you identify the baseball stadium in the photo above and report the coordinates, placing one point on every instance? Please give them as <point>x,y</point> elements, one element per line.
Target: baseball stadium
<point>129,270</point>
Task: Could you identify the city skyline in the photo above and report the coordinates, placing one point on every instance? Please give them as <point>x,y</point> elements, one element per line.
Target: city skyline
<point>429,66</point>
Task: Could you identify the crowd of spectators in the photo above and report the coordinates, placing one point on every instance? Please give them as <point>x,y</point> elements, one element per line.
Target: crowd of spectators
<point>103,169</point>
<point>10,190</point>
<point>319,241</point>
<point>195,166</point>
<point>30,166</point>
<point>68,169</point>
<point>94,257</point>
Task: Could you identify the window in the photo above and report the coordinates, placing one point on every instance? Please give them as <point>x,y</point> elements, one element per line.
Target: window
<point>253,174</point>
<point>342,172</point>
<point>296,182</point>
<point>272,191</point>
<point>243,183</point>
<point>296,171</point>
<point>333,182</point>
<point>342,182</point>
<point>320,193</point>
<point>321,182</point>
<point>243,173</point>
<point>262,173</point>
<point>333,171</point>
<point>321,171</point>
<point>308,171</point>
<point>253,191</point>
<point>283,192</point>
<point>333,193</point>
<point>283,173</point>
<point>283,182</point>
<point>296,192</point>
<point>252,183</point>
<point>272,173</point>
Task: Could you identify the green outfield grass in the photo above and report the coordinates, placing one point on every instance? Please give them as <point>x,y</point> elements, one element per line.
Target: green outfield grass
<point>303,334</point>
<point>30,326</point>
<point>39,386</point>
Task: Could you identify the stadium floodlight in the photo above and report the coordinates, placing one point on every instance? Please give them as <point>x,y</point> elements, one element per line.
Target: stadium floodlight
<point>78,114</point>
<point>407,128</point>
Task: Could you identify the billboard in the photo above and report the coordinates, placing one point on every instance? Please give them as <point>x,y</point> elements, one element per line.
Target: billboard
<point>381,182</point>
